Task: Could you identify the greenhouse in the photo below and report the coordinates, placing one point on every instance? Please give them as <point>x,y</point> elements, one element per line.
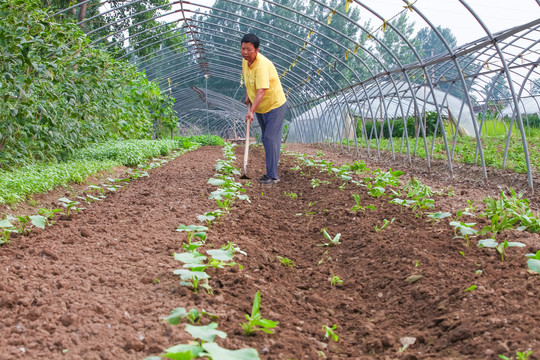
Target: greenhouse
<point>141,217</point>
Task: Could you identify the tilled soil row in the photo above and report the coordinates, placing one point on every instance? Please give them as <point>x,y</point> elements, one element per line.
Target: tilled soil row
<point>96,286</point>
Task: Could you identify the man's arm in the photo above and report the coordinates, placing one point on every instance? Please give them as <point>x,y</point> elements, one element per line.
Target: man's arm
<point>255,104</point>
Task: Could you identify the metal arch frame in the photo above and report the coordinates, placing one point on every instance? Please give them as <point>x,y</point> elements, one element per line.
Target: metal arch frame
<point>233,29</point>
<point>514,98</point>
<point>465,77</point>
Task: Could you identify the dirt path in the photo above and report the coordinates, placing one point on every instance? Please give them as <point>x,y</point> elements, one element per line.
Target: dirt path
<point>96,286</point>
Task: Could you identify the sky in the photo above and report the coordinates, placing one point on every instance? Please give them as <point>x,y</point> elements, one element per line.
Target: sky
<point>496,14</point>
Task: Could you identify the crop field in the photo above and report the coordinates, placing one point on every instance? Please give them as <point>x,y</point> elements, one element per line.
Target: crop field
<point>341,259</point>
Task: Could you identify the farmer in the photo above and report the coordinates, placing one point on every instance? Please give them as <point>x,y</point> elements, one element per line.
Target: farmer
<point>265,98</point>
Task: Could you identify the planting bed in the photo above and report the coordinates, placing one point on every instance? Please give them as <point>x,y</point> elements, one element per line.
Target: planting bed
<point>96,286</point>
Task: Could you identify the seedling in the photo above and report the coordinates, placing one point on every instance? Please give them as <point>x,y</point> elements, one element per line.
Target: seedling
<point>333,241</point>
<point>384,225</point>
<point>501,248</point>
<point>357,207</point>
<point>329,332</point>
<point>437,216</point>
<point>470,289</point>
<point>402,203</point>
<point>255,322</point>
<point>69,205</point>
<point>192,278</point>
<point>193,316</point>
<point>317,182</point>
<point>221,258</point>
<point>534,262</point>
<point>466,229</point>
<point>231,246</point>
<point>7,228</point>
<point>335,280</point>
<point>192,231</point>
<point>48,213</point>
<point>286,261</point>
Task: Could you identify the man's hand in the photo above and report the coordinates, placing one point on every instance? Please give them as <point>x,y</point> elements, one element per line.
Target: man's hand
<point>253,107</point>
<point>250,115</point>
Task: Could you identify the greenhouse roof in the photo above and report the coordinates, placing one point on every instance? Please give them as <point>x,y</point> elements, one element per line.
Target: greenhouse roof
<point>365,54</point>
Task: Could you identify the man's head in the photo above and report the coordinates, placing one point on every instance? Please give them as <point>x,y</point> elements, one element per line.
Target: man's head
<point>250,47</point>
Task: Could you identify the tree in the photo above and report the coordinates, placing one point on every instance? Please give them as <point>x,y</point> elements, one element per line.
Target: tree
<point>396,44</point>
<point>134,29</point>
<point>430,44</point>
<point>535,86</point>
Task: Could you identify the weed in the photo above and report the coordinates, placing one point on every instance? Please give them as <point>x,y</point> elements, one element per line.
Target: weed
<point>509,211</point>
<point>286,261</point>
<point>519,356</point>
<point>255,321</point>
<point>335,280</point>
<point>329,332</point>
<point>292,195</point>
<point>317,182</point>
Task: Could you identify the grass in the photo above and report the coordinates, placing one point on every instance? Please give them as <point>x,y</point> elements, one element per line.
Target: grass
<point>493,149</point>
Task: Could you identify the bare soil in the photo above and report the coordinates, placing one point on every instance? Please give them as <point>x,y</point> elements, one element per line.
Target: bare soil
<point>96,285</point>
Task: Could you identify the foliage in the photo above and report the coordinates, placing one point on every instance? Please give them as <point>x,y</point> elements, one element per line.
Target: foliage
<point>464,152</point>
<point>59,94</point>
<point>19,183</point>
<point>206,347</point>
<point>508,211</point>
<point>16,185</point>
<point>397,129</point>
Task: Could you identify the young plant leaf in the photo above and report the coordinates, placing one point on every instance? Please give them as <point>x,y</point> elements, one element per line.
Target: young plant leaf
<point>214,351</point>
<point>534,265</point>
<point>176,316</point>
<point>205,333</point>
<point>39,221</point>
<point>183,352</point>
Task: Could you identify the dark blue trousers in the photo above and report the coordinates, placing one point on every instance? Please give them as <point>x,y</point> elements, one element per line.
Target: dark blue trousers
<point>271,124</point>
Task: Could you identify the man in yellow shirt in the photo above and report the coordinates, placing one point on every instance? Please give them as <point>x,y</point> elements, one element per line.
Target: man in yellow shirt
<point>266,100</point>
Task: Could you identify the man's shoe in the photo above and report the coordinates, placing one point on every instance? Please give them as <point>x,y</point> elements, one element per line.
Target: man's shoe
<point>268,180</point>
<point>264,177</point>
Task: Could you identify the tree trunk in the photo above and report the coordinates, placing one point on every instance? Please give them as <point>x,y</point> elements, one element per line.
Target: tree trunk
<point>82,13</point>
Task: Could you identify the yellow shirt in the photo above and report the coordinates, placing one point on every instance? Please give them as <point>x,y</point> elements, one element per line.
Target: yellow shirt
<point>262,74</point>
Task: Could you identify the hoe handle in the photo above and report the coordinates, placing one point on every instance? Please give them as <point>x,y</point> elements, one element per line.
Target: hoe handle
<point>246,150</point>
